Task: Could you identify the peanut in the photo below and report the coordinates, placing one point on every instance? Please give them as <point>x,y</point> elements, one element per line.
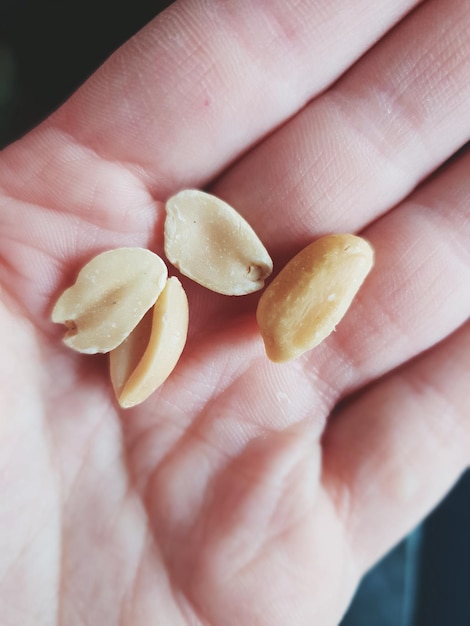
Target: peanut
<point>209,242</point>
<point>109,298</point>
<point>149,354</point>
<point>311,294</point>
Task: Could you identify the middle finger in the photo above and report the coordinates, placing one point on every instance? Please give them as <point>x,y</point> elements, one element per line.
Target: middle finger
<point>364,145</point>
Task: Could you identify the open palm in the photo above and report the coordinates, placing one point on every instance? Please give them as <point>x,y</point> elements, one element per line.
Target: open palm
<point>242,492</point>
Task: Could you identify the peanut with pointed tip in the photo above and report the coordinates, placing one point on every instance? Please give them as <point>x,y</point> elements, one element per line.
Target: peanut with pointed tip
<point>209,242</point>
<point>150,353</point>
<point>109,298</point>
<point>311,294</point>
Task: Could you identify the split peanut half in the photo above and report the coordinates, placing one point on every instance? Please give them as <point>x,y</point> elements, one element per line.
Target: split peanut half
<point>209,242</point>
<point>149,354</point>
<point>111,295</point>
<point>311,294</point>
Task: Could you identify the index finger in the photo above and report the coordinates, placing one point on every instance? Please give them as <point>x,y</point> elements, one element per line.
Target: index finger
<point>205,80</point>
<point>172,108</point>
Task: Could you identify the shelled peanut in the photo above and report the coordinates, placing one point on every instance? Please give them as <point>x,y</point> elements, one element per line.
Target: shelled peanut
<point>311,294</point>
<point>124,304</point>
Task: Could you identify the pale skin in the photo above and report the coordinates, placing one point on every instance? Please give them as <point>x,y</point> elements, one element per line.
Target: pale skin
<point>243,492</point>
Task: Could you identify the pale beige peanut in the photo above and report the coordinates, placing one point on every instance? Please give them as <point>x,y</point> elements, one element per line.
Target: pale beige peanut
<point>311,294</point>
<point>109,298</point>
<point>147,357</point>
<point>209,242</point>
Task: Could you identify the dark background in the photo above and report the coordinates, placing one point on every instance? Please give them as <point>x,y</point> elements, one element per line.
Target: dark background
<point>47,49</point>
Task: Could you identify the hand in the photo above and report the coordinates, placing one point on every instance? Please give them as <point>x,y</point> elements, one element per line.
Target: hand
<point>242,492</point>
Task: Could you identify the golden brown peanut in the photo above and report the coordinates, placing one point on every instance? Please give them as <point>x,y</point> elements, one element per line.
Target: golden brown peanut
<point>311,294</point>
<point>208,241</point>
<point>149,354</point>
<point>109,298</point>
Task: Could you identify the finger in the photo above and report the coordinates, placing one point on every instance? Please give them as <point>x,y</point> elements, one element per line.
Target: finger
<point>416,294</point>
<point>169,109</point>
<point>205,80</point>
<point>390,456</point>
<point>363,145</point>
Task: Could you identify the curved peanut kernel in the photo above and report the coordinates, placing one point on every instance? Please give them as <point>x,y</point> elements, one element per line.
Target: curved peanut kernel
<point>209,242</point>
<point>311,294</point>
<point>109,298</point>
<point>150,353</point>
